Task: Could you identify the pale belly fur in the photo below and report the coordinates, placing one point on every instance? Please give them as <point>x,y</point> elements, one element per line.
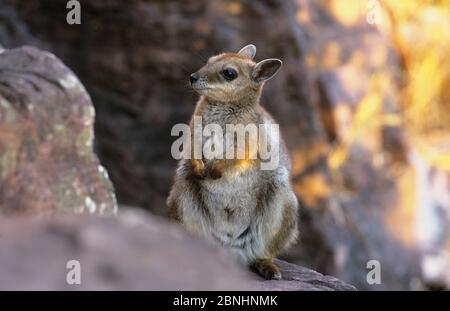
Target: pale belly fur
<point>231,206</point>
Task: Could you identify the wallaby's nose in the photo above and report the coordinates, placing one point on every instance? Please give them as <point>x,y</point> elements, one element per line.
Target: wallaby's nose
<point>194,78</point>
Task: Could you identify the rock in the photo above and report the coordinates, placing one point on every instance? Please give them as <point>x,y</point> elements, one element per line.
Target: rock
<point>47,163</point>
<point>134,251</point>
<point>297,278</point>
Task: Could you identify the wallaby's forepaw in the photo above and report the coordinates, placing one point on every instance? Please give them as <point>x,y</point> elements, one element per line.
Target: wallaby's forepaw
<point>201,171</point>
<point>216,169</point>
<point>214,173</point>
<point>267,269</point>
<point>198,168</point>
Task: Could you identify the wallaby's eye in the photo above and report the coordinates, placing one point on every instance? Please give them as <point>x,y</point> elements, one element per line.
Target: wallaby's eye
<point>229,74</point>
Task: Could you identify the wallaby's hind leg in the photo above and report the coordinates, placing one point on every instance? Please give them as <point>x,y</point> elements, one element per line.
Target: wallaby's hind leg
<point>266,268</point>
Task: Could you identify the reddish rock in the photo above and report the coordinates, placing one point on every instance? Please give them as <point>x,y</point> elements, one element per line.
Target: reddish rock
<point>47,163</point>
<point>134,251</point>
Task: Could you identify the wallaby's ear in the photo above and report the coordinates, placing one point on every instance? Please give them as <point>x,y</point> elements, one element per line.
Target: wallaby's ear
<point>266,69</point>
<point>248,50</point>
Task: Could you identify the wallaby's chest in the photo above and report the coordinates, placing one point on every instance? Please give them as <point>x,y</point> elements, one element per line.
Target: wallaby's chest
<point>222,115</point>
<point>231,204</point>
<point>222,126</point>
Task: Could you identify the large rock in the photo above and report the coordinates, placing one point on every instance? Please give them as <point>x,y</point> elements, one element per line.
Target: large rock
<point>297,278</point>
<point>47,162</point>
<point>134,251</point>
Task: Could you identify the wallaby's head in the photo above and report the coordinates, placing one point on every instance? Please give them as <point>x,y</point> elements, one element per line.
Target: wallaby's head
<point>230,77</point>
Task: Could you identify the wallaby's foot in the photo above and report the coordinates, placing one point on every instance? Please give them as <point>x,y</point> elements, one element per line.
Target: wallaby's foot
<point>267,269</point>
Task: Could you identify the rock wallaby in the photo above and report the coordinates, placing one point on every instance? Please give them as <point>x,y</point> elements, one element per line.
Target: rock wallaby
<point>250,210</point>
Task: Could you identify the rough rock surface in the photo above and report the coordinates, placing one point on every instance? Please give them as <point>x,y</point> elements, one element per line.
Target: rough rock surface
<point>47,162</point>
<point>134,251</point>
<point>297,278</point>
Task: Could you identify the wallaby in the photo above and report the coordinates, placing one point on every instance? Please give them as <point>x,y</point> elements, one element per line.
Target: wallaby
<point>234,202</point>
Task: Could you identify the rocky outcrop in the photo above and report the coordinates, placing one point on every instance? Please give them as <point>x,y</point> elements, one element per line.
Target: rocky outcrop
<point>47,162</point>
<point>134,251</point>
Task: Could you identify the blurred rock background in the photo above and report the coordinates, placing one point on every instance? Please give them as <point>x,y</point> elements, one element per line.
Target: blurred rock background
<point>362,100</point>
